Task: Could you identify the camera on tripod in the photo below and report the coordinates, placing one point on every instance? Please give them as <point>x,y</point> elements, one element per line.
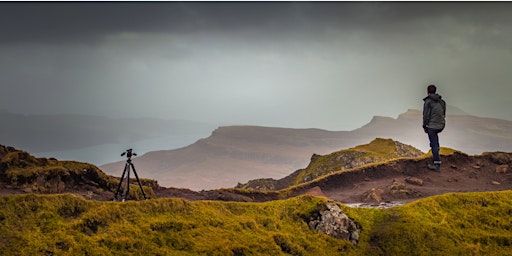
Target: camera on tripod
<point>128,153</point>
<point>126,173</point>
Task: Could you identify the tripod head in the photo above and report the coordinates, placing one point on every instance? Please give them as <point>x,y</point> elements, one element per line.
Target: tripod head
<point>129,154</point>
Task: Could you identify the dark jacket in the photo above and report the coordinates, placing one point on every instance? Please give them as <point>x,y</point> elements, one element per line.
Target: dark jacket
<point>434,112</point>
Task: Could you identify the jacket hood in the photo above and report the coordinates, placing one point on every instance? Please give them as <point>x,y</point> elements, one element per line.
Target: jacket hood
<point>434,97</point>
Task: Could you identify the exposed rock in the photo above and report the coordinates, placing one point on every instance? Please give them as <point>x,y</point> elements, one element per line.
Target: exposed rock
<point>259,184</point>
<point>495,182</point>
<point>333,222</point>
<point>372,196</point>
<point>399,189</point>
<point>451,179</point>
<point>414,181</point>
<point>500,158</point>
<point>502,168</point>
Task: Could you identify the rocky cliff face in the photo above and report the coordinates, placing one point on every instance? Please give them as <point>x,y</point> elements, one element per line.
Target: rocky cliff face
<point>378,150</point>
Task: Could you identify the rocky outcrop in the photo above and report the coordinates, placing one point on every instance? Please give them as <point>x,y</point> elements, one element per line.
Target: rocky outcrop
<point>333,222</point>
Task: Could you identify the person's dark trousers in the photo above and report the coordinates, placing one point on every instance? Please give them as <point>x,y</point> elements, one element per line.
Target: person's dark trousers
<point>434,144</point>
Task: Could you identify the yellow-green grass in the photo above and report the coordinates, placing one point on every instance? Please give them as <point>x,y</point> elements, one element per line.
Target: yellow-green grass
<point>478,223</point>
<point>18,168</point>
<point>378,151</point>
<point>451,224</point>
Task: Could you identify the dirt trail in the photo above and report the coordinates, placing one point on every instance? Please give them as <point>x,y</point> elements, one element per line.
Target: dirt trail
<point>410,179</point>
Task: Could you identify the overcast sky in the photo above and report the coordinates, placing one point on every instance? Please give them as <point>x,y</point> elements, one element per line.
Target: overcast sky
<point>289,64</point>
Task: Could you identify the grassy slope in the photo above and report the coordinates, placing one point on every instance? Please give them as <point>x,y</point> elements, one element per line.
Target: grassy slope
<point>21,170</point>
<point>452,224</point>
<point>379,150</point>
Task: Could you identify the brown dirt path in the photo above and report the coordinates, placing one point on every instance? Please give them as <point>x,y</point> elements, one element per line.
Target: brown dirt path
<point>410,179</point>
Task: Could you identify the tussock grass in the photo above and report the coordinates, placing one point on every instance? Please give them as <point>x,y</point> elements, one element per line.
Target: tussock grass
<point>478,223</point>
<point>67,224</point>
<point>451,224</point>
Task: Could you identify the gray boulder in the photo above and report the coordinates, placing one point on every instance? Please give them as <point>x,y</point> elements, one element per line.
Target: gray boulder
<point>333,222</point>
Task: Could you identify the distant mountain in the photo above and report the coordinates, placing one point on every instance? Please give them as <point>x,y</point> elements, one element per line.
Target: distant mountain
<point>237,154</point>
<point>470,134</point>
<point>40,133</point>
<point>379,150</point>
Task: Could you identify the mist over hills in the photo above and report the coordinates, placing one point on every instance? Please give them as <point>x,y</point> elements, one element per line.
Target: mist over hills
<point>234,154</point>
<point>55,135</point>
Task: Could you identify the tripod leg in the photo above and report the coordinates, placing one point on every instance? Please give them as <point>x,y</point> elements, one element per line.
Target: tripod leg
<point>126,190</point>
<point>120,182</point>
<point>138,181</point>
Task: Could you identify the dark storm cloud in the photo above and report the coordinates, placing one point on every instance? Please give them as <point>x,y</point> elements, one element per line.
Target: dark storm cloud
<point>84,22</point>
<point>73,22</point>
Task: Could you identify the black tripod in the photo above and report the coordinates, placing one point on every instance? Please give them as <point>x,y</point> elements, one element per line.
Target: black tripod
<point>126,171</point>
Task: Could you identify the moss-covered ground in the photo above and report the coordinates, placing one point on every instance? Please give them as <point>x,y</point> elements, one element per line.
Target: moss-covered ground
<point>451,224</point>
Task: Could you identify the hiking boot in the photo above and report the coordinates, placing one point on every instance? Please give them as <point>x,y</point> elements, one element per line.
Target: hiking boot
<point>434,167</point>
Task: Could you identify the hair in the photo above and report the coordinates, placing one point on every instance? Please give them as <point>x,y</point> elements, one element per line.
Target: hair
<point>431,89</point>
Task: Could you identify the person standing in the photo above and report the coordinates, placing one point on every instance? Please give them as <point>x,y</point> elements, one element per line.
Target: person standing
<point>434,113</point>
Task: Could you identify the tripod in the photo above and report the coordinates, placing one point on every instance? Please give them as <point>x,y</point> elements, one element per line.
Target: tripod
<point>126,171</point>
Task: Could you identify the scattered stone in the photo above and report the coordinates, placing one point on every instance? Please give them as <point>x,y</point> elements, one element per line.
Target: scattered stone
<point>27,190</point>
<point>496,182</point>
<point>397,186</point>
<point>453,166</point>
<point>502,168</point>
<point>383,205</point>
<point>335,223</point>
<point>476,166</point>
<point>400,190</point>
<point>367,179</point>
<point>452,179</point>
<point>414,181</point>
<point>372,196</point>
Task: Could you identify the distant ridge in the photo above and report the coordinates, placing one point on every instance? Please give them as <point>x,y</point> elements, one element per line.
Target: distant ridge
<point>470,134</point>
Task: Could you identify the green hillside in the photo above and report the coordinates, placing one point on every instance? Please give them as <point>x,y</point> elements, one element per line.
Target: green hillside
<point>379,150</point>
<point>451,224</point>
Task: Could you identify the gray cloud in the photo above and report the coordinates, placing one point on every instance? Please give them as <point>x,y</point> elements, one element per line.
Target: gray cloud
<point>329,65</point>
<point>57,22</point>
